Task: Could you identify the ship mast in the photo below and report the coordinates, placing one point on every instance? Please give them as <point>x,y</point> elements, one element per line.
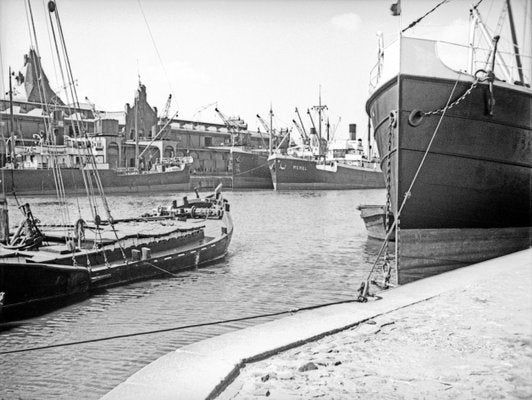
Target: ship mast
<point>137,130</point>
<point>320,108</point>
<point>11,122</point>
<point>514,42</point>
<point>477,20</point>
<point>271,130</point>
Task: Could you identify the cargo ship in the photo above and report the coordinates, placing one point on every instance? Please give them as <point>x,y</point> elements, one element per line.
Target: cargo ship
<point>246,169</point>
<point>46,136</point>
<point>136,150</point>
<point>249,169</point>
<point>41,181</point>
<point>456,151</point>
<point>32,169</point>
<point>247,160</point>
<point>298,173</point>
<point>315,165</point>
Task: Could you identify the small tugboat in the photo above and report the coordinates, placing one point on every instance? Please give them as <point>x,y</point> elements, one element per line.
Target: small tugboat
<point>40,271</point>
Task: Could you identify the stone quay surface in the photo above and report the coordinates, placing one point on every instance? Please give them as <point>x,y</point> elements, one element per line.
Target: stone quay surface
<point>465,334</point>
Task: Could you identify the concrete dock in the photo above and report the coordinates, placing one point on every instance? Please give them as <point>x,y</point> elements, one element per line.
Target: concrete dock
<point>463,334</point>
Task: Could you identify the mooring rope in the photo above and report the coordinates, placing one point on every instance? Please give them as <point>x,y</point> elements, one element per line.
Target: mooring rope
<point>177,328</point>
<point>252,169</point>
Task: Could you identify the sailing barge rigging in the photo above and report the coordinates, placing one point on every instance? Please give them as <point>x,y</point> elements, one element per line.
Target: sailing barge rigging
<point>40,268</point>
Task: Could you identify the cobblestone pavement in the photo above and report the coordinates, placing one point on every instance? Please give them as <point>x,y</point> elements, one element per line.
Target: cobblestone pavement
<point>474,343</point>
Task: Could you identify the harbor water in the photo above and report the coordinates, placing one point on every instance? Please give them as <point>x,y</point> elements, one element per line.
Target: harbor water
<point>289,250</point>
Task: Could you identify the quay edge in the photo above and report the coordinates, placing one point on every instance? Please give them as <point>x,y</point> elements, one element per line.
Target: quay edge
<point>203,370</point>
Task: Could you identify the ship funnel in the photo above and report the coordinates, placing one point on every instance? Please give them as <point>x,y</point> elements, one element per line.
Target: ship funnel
<point>353,131</point>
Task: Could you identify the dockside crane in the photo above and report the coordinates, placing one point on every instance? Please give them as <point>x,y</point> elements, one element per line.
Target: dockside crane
<point>164,115</point>
<point>264,124</point>
<point>201,109</point>
<point>95,112</point>
<point>164,121</point>
<point>232,128</point>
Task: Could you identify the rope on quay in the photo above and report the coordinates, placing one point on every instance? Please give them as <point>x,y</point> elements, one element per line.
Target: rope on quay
<point>175,328</point>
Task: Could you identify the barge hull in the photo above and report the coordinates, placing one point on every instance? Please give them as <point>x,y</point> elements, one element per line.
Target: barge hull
<point>31,288</point>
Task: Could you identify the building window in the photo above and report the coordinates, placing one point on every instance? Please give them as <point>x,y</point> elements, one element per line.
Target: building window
<point>208,141</point>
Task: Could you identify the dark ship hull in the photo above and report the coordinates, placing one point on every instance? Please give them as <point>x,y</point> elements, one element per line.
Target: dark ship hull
<point>471,200</point>
<point>250,170</point>
<point>41,181</point>
<point>290,173</point>
<point>245,169</point>
<point>34,288</point>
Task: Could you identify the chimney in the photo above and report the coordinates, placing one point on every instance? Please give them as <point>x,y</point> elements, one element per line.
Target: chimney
<point>353,131</point>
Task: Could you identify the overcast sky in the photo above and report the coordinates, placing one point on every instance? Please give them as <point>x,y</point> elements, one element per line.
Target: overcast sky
<point>242,54</point>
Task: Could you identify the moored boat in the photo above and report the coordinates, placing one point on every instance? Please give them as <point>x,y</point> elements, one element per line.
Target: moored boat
<point>374,217</point>
<point>40,271</point>
<point>44,265</point>
<point>316,165</point>
<point>247,169</point>
<point>297,173</point>
<point>456,151</point>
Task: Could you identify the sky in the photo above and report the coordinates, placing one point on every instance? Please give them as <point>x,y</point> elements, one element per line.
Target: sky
<point>241,54</point>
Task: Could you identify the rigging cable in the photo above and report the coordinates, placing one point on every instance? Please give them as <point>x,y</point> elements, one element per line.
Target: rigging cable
<point>155,45</point>
<point>414,23</point>
<point>48,127</point>
<point>82,131</point>
<point>92,158</point>
<point>50,43</point>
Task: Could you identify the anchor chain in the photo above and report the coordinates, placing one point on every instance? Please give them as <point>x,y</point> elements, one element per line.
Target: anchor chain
<point>478,79</point>
<point>388,207</point>
<point>386,266</point>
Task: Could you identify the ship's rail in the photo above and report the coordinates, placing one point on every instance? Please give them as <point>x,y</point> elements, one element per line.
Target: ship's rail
<point>456,58</point>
